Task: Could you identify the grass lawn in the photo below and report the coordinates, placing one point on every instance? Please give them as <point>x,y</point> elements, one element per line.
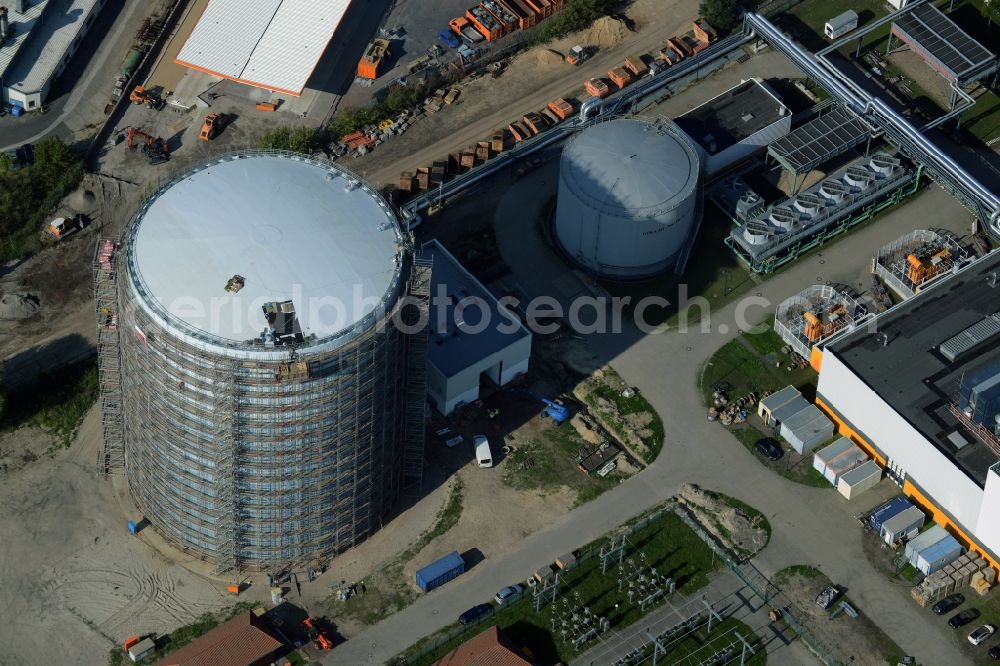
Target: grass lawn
<point>806,20</point>
<point>56,403</point>
<point>610,387</point>
<point>792,466</point>
<point>548,465</point>
<point>669,546</point>
<point>713,273</point>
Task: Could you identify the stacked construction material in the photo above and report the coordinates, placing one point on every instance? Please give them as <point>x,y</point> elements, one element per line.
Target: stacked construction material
<point>968,570</point>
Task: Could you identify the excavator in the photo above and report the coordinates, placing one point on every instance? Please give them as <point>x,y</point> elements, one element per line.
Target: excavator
<point>317,634</point>
<point>142,96</point>
<point>154,148</point>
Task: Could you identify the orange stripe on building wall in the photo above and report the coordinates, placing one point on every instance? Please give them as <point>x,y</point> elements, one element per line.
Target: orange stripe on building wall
<point>909,489</point>
<point>816,358</point>
<point>850,433</point>
<point>941,519</point>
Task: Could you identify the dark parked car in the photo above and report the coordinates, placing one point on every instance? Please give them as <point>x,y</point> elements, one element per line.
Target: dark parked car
<point>994,653</point>
<point>963,618</point>
<point>769,448</point>
<point>948,603</point>
<point>474,613</point>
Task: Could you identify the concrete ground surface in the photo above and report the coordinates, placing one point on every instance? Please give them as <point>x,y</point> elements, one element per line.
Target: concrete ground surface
<point>810,525</point>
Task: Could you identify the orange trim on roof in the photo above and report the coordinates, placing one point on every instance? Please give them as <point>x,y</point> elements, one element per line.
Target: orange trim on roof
<point>248,82</point>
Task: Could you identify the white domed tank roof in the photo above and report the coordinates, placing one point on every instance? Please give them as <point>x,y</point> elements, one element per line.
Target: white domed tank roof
<point>628,197</point>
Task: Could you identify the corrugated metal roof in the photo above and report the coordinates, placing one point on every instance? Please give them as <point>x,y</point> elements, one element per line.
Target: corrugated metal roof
<point>21,25</point>
<point>971,337</point>
<point>862,472</point>
<point>779,398</point>
<point>841,446</point>
<point>52,38</point>
<point>276,44</point>
<point>904,520</point>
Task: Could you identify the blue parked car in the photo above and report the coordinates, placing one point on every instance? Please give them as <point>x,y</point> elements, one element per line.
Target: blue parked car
<point>474,613</point>
<point>449,39</point>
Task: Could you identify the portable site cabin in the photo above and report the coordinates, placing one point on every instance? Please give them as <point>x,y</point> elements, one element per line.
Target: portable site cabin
<point>938,555</point>
<point>885,511</point>
<point>807,429</point>
<point>858,480</point>
<point>833,460</point>
<point>904,525</point>
<point>841,25</point>
<point>786,411</point>
<point>771,403</point>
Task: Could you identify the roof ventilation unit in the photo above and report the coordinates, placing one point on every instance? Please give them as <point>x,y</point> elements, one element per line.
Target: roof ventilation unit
<point>834,190</point>
<point>784,218</point>
<point>808,203</point>
<point>859,177</point>
<point>884,164</point>
<point>749,205</point>
<point>757,233</point>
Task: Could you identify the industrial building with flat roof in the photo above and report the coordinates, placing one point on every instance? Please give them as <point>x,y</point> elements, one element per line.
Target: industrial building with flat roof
<point>37,40</point>
<point>905,388</point>
<point>275,44</point>
<point>736,124</point>
<point>472,335</point>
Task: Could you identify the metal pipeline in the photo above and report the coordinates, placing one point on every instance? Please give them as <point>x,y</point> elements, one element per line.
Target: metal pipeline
<point>864,104</point>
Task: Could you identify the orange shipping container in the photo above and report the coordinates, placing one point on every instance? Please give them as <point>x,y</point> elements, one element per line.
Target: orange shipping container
<point>485,23</point>
<point>483,151</point>
<point>526,16</point>
<point>561,108</point>
<point>518,131</point>
<point>703,31</point>
<point>534,123</point>
<point>543,8</point>
<point>620,77</point>
<point>597,87</point>
<point>372,58</point>
<point>504,16</point>
<point>679,46</point>
<point>406,181</point>
<point>497,143</point>
<point>636,66</point>
<point>269,107</point>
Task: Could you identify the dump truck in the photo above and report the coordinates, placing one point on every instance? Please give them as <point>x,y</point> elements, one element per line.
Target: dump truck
<point>576,55</point>
<point>619,76</point>
<point>597,88</point>
<point>64,226</point>
<point>636,66</point>
<point>461,27</point>
<point>212,125</point>
<point>487,24</point>
<point>372,58</point>
<point>561,108</point>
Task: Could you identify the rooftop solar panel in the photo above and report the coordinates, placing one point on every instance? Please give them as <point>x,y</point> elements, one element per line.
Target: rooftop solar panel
<point>936,37</point>
<point>819,140</point>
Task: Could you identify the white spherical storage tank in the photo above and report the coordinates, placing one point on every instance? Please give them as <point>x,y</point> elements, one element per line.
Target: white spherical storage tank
<point>628,198</point>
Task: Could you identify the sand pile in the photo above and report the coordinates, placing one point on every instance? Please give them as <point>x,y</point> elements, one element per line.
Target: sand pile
<point>732,527</point>
<point>605,33</point>
<point>547,58</point>
<point>17,306</point>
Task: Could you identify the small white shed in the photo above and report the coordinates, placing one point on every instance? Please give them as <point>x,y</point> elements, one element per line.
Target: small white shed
<point>904,525</point>
<point>841,25</point>
<point>767,406</point>
<point>858,480</point>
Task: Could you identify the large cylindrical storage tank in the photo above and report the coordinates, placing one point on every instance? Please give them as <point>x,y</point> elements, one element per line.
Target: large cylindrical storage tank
<point>628,198</point>
<point>263,388</point>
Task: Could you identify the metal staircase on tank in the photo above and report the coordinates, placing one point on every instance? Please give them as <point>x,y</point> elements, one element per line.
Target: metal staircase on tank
<point>416,377</point>
<point>111,456</point>
<point>225,460</point>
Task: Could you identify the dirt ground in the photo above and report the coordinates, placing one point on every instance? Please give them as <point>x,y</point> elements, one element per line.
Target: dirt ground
<point>914,67</point>
<point>534,78</point>
<point>854,641</point>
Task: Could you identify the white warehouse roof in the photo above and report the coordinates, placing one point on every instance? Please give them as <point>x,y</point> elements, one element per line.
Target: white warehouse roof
<point>272,44</point>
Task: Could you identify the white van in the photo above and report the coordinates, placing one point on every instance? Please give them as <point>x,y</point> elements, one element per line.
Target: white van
<point>484,456</point>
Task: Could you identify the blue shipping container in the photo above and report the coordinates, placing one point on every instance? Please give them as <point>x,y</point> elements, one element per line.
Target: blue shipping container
<point>440,571</point>
<point>883,513</point>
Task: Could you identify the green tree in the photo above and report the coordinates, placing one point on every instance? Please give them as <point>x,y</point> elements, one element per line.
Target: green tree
<point>294,139</point>
<point>722,14</point>
<point>6,163</point>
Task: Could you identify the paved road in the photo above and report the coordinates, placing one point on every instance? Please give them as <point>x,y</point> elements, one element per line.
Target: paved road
<point>94,67</point>
<point>810,525</point>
